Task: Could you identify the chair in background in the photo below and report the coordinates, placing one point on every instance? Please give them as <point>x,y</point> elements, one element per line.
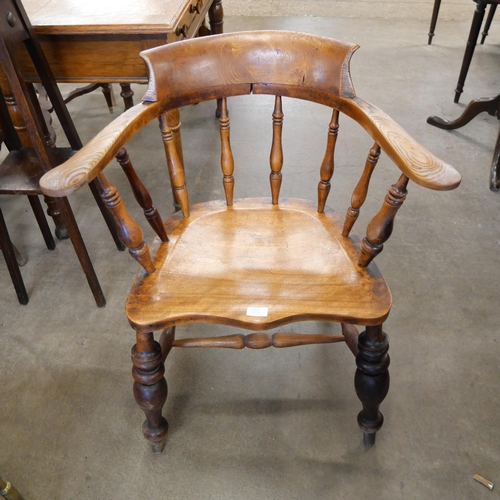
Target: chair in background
<point>257,263</point>
<point>32,151</point>
<point>477,22</point>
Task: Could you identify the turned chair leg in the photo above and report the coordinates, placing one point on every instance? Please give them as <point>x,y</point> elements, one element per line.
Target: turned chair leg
<point>150,387</point>
<point>372,379</point>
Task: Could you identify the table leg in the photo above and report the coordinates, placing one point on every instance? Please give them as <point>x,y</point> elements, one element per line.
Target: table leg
<point>475,107</point>
<point>435,13</point>
<point>475,28</point>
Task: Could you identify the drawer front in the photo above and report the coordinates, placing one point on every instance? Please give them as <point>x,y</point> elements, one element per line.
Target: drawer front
<point>190,20</point>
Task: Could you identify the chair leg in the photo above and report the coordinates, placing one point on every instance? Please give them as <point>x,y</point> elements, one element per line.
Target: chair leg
<point>150,388</point>
<point>475,28</point>
<point>435,13</point>
<point>489,19</point>
<point>372,379</point>
<point>80,250</point>
<point>11,261</point>
<point>36,206</point>
<point>127,95</point>
<point>53,211</point>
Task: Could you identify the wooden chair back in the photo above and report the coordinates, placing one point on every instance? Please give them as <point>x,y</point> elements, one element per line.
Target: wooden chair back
<point>271,62</point>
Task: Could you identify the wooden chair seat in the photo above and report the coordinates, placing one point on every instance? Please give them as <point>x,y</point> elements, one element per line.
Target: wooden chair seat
<point>210,272</point>
<point>20,172</point>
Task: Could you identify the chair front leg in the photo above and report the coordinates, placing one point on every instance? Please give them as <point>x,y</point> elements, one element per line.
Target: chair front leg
<point>372,379</point>
<point>150,388</point>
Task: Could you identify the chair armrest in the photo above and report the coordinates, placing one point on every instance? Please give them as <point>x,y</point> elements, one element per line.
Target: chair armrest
<point>415,161</point>
<point>91,160</point>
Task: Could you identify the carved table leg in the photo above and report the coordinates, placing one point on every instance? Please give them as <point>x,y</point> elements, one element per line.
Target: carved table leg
<point>150,388</point>
<point>372,379</point>
<point>216,18</point>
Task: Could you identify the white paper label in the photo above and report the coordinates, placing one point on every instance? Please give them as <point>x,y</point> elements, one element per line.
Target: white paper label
<point>260,312</point>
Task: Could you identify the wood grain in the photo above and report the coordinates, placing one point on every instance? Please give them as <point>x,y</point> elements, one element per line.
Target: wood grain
<point>281,57</point>
<point>221,260</point>
<point>415,161</point>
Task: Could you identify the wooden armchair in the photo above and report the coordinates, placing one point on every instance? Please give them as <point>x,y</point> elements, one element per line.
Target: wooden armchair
<point>256,263</point>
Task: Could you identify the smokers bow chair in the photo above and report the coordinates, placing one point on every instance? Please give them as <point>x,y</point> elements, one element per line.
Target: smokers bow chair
<point>254,263</point>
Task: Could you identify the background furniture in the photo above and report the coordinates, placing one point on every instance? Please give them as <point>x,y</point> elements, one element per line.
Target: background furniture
<point>87,44</point>
<point>477,21</point>
<point>435,14</point>
<point>31,145</point>
<point>474,108</point>
<point>472,40</point>
<point>257,263</point>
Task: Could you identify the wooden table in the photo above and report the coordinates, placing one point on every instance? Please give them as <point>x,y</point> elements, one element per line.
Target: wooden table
<point>100,40</point>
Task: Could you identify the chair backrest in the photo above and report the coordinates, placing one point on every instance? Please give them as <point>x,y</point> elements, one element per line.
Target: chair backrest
<point>267,62</point>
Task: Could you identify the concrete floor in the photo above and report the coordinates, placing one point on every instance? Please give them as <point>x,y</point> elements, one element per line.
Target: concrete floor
<point>276,424</point>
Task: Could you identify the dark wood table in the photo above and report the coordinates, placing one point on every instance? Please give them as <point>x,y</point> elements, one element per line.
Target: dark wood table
<point>474,108</point>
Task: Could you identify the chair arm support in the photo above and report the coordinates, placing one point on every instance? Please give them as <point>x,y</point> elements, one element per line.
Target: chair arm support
<point>415,161</point>
<point>91,160</point>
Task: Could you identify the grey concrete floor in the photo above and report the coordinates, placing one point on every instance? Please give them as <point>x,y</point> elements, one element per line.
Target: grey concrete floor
<point>277,424</point>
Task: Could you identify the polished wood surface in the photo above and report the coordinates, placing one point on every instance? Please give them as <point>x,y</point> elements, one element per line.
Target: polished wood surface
<point>265,262</point>
<point>96,42</point>
<point>75,16</point>
<point>296,289</point>
<point>254,62</point>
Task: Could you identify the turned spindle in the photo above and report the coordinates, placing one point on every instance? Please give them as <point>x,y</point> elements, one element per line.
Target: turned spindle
<point>142,195</point>
<point>276,158</point>
<point>361,190</point>
<point>260,340</point>
<point>175,167</point>
<point>226,155</point>
<point>129,232</point>
<point>380,227</point>
<point>328,165</point>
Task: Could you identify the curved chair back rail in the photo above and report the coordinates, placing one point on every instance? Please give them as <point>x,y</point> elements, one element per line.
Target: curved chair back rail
<point>179,75</point>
